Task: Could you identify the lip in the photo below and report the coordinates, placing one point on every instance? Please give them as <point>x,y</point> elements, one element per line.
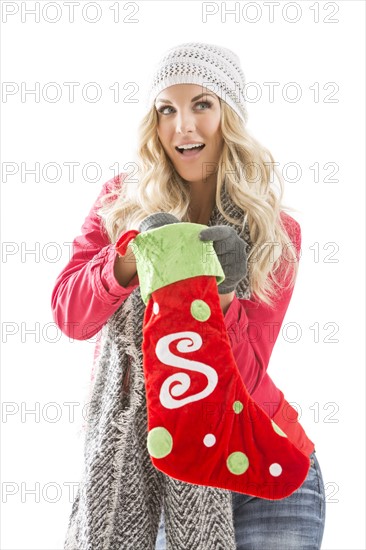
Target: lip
<point>192,156</point>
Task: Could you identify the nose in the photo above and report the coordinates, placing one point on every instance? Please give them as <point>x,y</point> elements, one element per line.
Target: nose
<point>185,122</point>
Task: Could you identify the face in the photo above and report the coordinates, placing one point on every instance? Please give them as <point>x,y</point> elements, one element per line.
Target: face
<point>190,114</point>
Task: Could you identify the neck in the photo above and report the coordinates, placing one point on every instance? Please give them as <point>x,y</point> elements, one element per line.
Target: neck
<point>202,201</point>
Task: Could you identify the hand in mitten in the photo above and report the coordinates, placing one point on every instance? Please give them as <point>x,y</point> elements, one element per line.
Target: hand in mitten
<point>230,250</point>
<point>157,220</point>
<point>153,221</point>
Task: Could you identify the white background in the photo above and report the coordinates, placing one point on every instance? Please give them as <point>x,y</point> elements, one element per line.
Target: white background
<point>324,379</point>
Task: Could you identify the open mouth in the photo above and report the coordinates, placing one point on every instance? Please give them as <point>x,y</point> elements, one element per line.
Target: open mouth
<point>190,150</point>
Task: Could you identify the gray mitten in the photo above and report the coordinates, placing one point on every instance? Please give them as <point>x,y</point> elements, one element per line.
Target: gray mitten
<point>230,250</point>
<point>157,220</point>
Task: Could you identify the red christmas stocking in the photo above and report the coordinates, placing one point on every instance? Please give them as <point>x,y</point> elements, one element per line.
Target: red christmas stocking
<point>203,426</point>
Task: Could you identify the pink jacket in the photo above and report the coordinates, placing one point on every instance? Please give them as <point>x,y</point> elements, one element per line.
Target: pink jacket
<point>86,294</point>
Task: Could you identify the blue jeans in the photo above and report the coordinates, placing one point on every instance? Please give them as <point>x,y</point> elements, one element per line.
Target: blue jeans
<point>292,523</point>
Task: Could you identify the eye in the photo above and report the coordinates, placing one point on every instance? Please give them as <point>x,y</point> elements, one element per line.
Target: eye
<point>208,104</point>
<point>162,109</point>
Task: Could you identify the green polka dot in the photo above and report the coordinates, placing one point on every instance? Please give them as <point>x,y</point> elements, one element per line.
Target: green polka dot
<point>159,442</point>
<point>200,310</point>
<point>237,463</point>
<point>277,429</point>
<point>237,406</point>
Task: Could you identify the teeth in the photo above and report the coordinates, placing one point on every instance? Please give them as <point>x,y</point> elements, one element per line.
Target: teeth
<point>190,146</point>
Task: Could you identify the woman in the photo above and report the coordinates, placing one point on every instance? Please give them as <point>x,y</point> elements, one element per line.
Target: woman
<point>198,163</point>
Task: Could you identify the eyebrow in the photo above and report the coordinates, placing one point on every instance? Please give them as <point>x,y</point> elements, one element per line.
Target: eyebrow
<point>193,98</point>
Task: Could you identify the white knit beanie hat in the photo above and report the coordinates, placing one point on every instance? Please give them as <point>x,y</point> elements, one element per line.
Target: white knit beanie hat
<point>214,67</point>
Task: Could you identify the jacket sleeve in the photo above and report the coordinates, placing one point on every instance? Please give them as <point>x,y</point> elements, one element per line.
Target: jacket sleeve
<point>86,292</point>
<point>253,327</point>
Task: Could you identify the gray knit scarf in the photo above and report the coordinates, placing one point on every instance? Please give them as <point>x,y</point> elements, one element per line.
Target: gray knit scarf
<point>120,498</point>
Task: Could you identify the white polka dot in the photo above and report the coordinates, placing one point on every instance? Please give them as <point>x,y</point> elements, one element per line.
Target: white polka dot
<point>156,308</point>
<point>275,469</point>
<point>209,440</point>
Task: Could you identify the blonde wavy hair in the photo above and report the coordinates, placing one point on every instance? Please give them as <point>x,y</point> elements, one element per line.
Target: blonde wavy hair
<point>248,170</point>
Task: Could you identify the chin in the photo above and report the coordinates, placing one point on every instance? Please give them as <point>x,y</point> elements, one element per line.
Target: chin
<point>190,179</point>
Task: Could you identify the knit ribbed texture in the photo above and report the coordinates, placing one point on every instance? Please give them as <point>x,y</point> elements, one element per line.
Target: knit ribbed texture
<point>157,220</point>
<point>121,496</point>
<point>208,65</point>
